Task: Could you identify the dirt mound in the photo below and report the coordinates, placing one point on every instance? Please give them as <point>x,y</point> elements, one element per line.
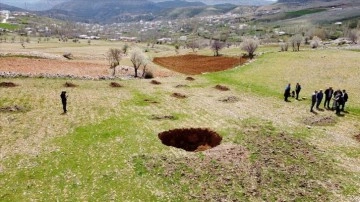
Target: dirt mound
<point>357,137</point>
<point>70,85</point>
<point>151,101</point>
<point>7,84</point>
<point>179,95</point>
<point>115,85</point>
<point>192,139</point>
<point>320,120</point>
<point>14,108</point>
<point>230,99</point>
<point>189,78</point>
<point>199,63</point>
<point>222,88</point>
<point>181,86</point>
<point>160,117</point>
<point>155,82</point>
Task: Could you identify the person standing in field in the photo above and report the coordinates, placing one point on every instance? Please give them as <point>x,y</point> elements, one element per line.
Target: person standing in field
<point>63,97</point>
<point>297,90</point>
<point>319,98</point>
<point>287,92</point>
<point>313,101</point>
<point>345,99</point>
<point>337,101</point>
<point>328,95</point>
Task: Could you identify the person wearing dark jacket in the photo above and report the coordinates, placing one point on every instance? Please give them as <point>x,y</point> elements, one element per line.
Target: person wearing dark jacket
<point>313,101</point>
<point>297,90</point>
<point>319,98</point>
<point>328,95</point>
<point>337,101</point>
<point>345,98</point>
<point>287,93</point>
<point>63,97</point>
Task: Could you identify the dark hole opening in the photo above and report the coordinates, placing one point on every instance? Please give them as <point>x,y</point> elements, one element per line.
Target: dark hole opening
<point>192,139</point>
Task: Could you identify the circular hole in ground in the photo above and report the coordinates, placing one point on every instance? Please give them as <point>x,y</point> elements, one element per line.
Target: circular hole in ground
<point>191,139</point>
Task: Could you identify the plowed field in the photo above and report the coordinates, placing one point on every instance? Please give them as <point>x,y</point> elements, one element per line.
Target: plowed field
<point>196,64</point>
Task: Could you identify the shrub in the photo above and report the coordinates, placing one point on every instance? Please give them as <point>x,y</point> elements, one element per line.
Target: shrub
<point>284,46</point>
<point>148,75</point>
<point>315,43</point>
<point>250,46</point>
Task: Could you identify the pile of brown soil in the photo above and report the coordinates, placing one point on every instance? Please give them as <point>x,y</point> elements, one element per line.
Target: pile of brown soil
<point>320,120</point>
<point>159,117</point>
<point>191,139</point>
<point>179,95</point>
<point>230,99</point>
<point>7,84</point>
<point>151,101</point>
<point>70,85</point>
<point>155,82</point>
<point>115,85</point>
<point>222,88</point>
<point>357,137</point>
<point>189,78</point>
<point>181,86</point>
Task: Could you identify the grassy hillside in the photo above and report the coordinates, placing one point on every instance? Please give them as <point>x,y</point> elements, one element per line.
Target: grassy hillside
<point>106,148</point>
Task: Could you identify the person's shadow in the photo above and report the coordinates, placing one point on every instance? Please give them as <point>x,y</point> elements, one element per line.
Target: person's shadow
<point>320,109</point>
<point>314,112</point>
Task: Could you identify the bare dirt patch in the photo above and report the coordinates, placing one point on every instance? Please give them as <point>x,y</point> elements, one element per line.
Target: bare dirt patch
<point>115,85</point>
<point>8,84</point>
<point>14,108</point>
<point>181,86</point>
<point>178,95</point>
<point>70,85</point>
<point>230,99</point>
<point>155,82</point>
<point>151,101</point>
<point>357,137</point>
<point>189,78</point>
<point>197,64</point>
<point>163,117</point>
<point>320,121</point>
<point>51,66</point>
<point>192,139</point>
<point>222,88</point>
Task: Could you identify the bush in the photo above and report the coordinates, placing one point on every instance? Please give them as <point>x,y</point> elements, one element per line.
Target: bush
<point>148,75</point>
<point>284,46</point>
<point>315,43</point>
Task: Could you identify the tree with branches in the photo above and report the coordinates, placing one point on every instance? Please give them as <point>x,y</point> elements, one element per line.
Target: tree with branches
<point>354,36</point>
<point>137,58</point>
<point>250,46</point>
<point>296,41</point>
<point>216,46</point>
<point>114,56</point>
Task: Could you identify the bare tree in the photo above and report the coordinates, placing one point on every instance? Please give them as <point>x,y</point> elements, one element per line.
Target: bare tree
<point>125,48</point>
<point>216,46</point>
<point>250,46</point>
<point>354,36</point>
<point>193,45</point>
<point>138,58</point>
<point>114,56</point>
<point>296,42</point>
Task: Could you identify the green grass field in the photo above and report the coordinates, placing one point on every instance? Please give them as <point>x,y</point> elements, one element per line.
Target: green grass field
<point>8,26</point>
<point>106,148</point>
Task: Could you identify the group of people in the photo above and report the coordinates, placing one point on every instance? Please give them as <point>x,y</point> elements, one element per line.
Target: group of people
<point>339,97</point>
<point>295,93</point>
